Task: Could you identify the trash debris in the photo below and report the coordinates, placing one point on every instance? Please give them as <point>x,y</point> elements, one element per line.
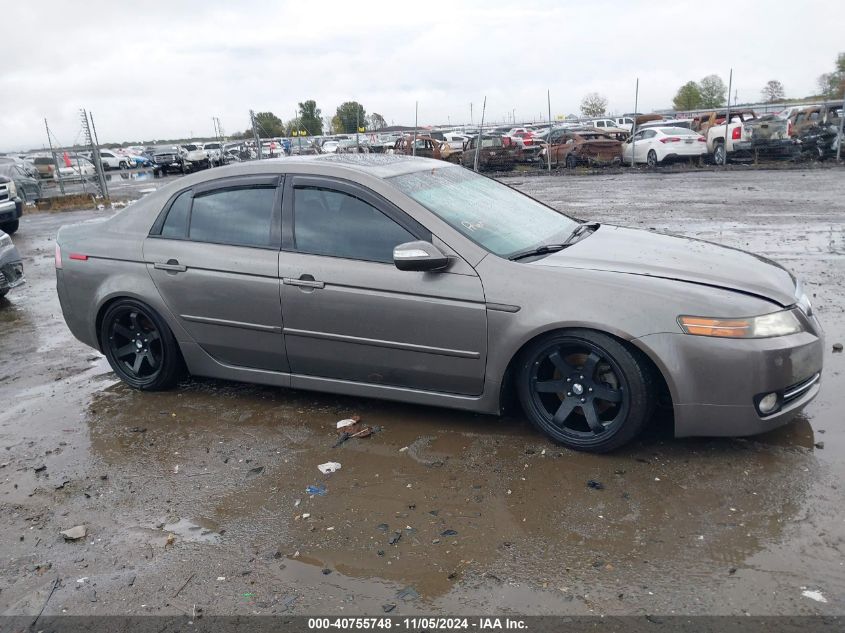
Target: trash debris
<point>449,533</point>
<point>387,608</point>
<point>347,422</point>
<point>75,533</point>
<point>221,578</point>
<point>403,449</point>
<point>254,472</point>
<point>171,539</point>
<point>819,445</point>
<point>306,515</point>
<point>837,347</point>
<point>814,595</point>
<point>408,593</point>
<point>595,485</point>
<point>315,489</point>
<point>394,538</point>
<point>329,467</point>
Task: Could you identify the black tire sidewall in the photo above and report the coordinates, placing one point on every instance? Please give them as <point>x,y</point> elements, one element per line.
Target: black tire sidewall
<point>172,364</point>
<point>637,376</point>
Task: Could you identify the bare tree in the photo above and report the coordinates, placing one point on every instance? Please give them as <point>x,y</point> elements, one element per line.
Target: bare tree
<point>593,104</point>
<point>713,91</point>
<point>773,91</point>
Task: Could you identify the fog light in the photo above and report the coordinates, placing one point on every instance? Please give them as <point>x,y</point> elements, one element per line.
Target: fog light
<point>768,403</point>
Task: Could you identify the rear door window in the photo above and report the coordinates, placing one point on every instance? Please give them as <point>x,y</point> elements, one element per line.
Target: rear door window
<point>240,216</point>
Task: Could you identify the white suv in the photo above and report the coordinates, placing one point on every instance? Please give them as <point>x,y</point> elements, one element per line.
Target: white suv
<point>111,160</point>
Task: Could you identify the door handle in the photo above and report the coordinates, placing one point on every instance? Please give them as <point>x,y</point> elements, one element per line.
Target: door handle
<point>305,281</point>
<point>172,266</point>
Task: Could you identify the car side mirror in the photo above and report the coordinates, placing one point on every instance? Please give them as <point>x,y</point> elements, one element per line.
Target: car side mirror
<point>419,256</point>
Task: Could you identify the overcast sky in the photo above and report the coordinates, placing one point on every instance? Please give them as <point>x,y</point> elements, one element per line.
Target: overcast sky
<point>150,70</point>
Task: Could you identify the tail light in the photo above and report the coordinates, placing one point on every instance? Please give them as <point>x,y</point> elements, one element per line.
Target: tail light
<point>701,139</point>
<point>671,139</point>
<point>736,134</point>
<point>789,128</point>
<point>58,258</point>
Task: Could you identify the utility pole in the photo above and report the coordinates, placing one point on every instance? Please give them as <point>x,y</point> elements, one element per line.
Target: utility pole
<point>357,127</point>
<point>634,124</point>
<point>549,144</point>
<point>728,115</point>
<point>470,112</point>
<point>255,136</point>
<point>416,117</point>
<point>840,138</point>
<point>55,160</point>
<point>480,128</point>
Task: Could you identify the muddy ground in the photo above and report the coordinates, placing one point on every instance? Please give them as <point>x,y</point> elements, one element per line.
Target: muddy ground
<point>196,498</point>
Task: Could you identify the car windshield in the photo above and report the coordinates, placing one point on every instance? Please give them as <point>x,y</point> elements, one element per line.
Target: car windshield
<point>678,131</point>
<point>496,217</point>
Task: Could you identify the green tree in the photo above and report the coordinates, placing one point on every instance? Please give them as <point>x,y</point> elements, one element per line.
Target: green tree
<point>832,85</point>
<point>269,124</point>
<point>713,91</point>
<point>773,91</point>
<point>593,104</point>
<point>350,115</point>
<point>310,118</point>
<point>377,121</point>
<point>688,97</point>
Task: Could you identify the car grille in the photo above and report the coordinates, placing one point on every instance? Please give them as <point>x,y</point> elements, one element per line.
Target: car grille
<point>796,391</point>
<point>165,159</point>
<point>4,192</point>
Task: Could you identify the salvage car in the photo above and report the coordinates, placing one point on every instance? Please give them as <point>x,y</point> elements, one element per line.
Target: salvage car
<point>168,159</point>
<point>422,146</point>
<point>26,179</point>
<point>415,280</point>
<point>583,147</point>
<point>11,266</point>
<point>76,168</point>
<point>656,145</point>
<point>497,153</point>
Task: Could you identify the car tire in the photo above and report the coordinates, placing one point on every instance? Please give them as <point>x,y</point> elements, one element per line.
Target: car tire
<point>571,161</point>
<point>123,165</point>
<point>651,158</point>
<point>10,227</point>
<point>585,390</point>
<point>140,347</point>
<point>105,165</point>
<point>720,155</point>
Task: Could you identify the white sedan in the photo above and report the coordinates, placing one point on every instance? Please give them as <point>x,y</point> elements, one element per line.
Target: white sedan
<point>79,168</point>
<point>656,145</point>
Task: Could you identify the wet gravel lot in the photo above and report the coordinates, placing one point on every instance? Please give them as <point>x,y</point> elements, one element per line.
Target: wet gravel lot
<point>196,498</point>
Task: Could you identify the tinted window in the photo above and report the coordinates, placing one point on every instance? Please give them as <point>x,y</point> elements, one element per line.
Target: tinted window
<point>241,216</point>
<point>177,217</point>
<point>328,222</point>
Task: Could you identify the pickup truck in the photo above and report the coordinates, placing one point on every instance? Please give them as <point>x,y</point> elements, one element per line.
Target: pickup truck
<point>11,206</point>
<point>746,136</point>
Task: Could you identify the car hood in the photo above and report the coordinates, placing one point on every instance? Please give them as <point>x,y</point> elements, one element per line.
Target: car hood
<point>641,252</point>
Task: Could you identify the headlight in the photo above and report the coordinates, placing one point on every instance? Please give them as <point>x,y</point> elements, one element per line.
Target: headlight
<point>5,241</point>
<point>764,326</point>
<point>12,189</point>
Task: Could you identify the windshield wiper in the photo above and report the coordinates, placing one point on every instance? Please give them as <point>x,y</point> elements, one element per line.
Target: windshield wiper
<point>540,250</point>
<point>579,230</point>
<point>545,249</point>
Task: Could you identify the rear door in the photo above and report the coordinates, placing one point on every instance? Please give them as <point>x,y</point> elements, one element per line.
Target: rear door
<point>213,255</point>
<point>350,314</point>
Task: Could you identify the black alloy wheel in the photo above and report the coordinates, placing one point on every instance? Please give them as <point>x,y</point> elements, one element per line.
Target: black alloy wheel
<point>585,390</point>
<point>139,346</point>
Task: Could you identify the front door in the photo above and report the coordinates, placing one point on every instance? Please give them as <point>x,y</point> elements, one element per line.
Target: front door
<point>350,314</point>
<point>214,259</point>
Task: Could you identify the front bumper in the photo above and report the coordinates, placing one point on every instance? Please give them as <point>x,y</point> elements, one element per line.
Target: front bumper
<point>11,269</point>
<point>713,382</point>
<point>11,210</point>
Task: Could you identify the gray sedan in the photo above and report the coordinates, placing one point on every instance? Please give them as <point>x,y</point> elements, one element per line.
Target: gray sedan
<point>416,280</point>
